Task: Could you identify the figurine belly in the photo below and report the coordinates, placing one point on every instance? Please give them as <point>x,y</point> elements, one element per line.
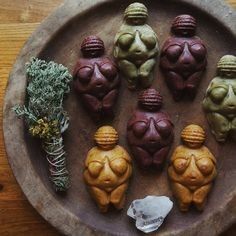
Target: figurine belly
<point>192,169</point>
<point>183,58</point>
<point>150,131</point>
<point>220,100</point>
<point>107,170</point>
<point>136,47</point>
<point>96,80</point>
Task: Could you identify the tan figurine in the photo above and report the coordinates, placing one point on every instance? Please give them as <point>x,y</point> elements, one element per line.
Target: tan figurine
<point>192,169</point>
<point>107,171</point>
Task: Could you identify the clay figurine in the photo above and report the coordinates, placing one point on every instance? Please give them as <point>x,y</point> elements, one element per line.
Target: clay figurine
<point>96,79</point>
<point>108,168</point>
<point>220,100</point>
<point>150,131</point>
<point>183,58</point>
<point>136,47</point>
<point>192,169</point>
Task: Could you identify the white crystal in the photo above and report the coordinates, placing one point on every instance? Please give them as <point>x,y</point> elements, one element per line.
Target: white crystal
<point>150,212</point>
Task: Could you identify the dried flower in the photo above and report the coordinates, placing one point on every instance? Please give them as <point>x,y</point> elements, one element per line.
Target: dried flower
<point>44,113</point>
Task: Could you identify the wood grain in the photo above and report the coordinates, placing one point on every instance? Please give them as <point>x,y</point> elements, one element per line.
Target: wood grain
<point>17,21</point>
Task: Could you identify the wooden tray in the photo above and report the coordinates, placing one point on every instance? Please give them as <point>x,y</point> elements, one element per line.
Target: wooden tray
<point>59,39</point>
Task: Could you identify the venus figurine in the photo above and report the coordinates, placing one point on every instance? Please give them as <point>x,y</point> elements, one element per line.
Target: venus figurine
<point>192,169</point>
<point>108,168</point>
<point>220,100</point>
<point>183,58</point>
<point>96,79</point>
<point>136,47</point>
<point>150,131</point>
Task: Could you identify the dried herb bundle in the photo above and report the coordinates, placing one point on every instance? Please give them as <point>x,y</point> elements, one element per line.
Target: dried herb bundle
<point>45,116</point>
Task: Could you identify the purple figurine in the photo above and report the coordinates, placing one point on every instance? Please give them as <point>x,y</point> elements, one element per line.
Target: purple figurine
<point>150,131</point>
<point>96,79</point>
<point>183,58</point>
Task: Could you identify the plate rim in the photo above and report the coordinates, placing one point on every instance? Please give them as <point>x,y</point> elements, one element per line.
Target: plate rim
<point>38,195</point>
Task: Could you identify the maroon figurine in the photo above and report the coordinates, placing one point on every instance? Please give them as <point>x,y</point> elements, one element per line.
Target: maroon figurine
<point>183,58</point>
<point>150,131</point>
<point>96,79</point>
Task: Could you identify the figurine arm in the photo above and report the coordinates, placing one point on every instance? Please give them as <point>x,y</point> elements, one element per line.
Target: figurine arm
<point>176,153</point>
<point>167,43</point>
<point>210,107</point>
<point>76,68</point>
<point>210,155</point>
<point>90,156</point>
<point>154,52</point>
<point>125,154</point>
<point>131,122</point>
<point>208,104</point>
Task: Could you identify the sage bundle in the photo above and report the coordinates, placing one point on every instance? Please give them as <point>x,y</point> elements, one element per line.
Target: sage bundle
<point>45,116</point>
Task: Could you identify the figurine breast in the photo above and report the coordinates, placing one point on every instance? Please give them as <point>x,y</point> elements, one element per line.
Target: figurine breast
<point>107,171</point>
<point>150,131</point>
<point>136,47</point>
<point>220,100</point>
<point>183,58</point>
<point>192,169</point>
<point>96,79</point>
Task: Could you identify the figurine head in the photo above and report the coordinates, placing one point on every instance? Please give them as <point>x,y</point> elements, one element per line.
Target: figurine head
<point>150,99</point>
<point>184,25</point>
<point>193,136</point>
<point>227,66</point>
<point>106,137</point>
<point>136,14</point>
<point>92,46</point>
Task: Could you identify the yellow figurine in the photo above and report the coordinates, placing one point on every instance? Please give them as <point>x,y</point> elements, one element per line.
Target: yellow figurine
<point>108,168</point>
<point>192,169</point>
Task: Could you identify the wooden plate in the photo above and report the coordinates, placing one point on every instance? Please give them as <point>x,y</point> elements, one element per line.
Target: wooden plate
<point>59,39</point>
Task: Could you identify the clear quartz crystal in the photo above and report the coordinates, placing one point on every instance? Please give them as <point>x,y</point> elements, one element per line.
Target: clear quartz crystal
<point>150,212</point>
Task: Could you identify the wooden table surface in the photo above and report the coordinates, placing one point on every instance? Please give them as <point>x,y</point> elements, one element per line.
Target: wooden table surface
<point>18,18</point>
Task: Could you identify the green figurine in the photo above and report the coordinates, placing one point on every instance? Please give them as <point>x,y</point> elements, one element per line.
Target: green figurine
<point>136,47</point>
<point>220,99</point>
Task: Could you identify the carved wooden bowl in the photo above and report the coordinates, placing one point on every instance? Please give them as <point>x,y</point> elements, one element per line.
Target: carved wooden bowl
<point>59,39</point>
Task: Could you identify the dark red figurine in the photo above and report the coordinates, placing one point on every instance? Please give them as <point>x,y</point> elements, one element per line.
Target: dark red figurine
<point>183,58</point>
<point>150,131</point>
<point>96,79</point>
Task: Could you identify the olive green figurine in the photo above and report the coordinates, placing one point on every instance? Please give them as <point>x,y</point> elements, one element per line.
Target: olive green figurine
<point>220,100</point>
<point>136,47</point>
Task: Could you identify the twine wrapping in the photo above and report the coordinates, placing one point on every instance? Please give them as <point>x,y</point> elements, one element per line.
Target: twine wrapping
<point>45,116</point>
